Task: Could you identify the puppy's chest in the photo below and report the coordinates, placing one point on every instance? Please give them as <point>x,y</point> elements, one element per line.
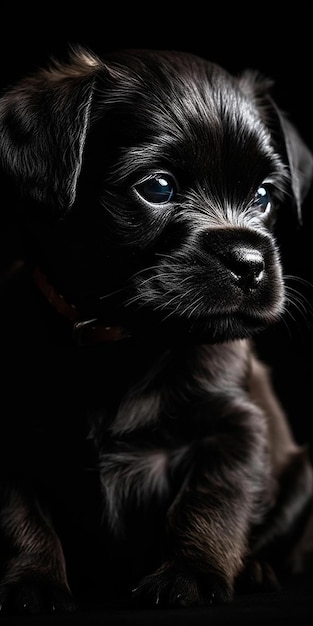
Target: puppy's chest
<point>136,471</point>
<point>151,428</point>
<point>151,439</point>
<point>149,457</point>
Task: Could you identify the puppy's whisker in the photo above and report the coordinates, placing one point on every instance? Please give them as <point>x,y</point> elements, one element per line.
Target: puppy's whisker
<point>299,280</point>
<point>297,297</point>
<point>187,310</point>
<point>183,312</point>
<point>300,302</point>
<point>177,298</point>
<point>192,308</point>
<point>297,305</point>
<point>165,276</point>
<point>110,294</point>
<point>171,266</point>
<point>157,277</point>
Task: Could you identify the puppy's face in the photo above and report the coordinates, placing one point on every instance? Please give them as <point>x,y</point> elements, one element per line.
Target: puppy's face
<point>167,175</point>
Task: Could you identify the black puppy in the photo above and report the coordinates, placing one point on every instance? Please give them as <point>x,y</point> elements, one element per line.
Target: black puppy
<point>140,430</point>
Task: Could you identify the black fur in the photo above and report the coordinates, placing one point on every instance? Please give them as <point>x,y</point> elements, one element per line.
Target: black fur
<point>145,187</point>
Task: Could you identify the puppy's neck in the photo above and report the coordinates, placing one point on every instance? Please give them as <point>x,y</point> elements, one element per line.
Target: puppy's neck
<point>85,331</point>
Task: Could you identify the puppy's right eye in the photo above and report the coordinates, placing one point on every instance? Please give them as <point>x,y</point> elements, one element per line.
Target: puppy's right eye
<point>263,199</point>
<point>159,188</point>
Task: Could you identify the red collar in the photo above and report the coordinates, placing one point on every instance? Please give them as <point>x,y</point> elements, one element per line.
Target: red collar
<point>85,331</point>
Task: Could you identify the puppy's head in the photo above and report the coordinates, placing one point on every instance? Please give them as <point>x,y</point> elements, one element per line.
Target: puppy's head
<point>150,182</point>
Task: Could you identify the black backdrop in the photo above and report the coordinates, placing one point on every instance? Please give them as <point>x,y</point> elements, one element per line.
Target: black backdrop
<point>280,47</point>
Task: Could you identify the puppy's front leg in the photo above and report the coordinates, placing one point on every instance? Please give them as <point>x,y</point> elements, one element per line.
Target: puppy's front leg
<point>209,521</point>
<point>33,576</point>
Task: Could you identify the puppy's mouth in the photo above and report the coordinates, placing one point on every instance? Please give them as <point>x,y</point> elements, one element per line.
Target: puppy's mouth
<point>224,327</point>
<point>209,328</point>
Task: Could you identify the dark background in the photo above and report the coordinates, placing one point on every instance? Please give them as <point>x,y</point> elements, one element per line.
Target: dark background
<point>280,47</point>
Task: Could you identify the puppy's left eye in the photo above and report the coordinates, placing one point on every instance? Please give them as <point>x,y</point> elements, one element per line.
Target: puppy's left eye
<point>263,199</point>
<point>157,189</point>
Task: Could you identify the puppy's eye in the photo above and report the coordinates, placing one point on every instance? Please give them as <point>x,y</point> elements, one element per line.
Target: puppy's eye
<point>157,189</point>
<point>263,199</point>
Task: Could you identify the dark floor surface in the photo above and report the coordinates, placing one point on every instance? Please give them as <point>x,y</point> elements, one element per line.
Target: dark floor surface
<point>291,605</point>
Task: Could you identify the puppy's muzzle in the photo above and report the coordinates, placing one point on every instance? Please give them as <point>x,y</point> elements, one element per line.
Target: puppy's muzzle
<point>225,283</point>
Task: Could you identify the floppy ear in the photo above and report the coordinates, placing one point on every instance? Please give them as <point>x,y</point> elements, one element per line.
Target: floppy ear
<point>300,160</point>
<point>43,125</point>
<point>298,157</point>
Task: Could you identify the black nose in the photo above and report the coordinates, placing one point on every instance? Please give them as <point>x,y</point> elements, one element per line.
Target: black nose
<point>246,264</point>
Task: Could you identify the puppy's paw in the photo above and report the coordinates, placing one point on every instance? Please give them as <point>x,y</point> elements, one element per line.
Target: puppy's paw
<point>257,576</point>
<point>173,587</point>
<point>31,596</point>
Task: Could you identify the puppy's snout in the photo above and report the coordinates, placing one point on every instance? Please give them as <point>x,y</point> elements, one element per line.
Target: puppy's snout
<point>246,264</point>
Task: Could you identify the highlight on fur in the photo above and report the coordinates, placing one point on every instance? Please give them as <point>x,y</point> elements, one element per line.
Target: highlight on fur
<point>146,186</point>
